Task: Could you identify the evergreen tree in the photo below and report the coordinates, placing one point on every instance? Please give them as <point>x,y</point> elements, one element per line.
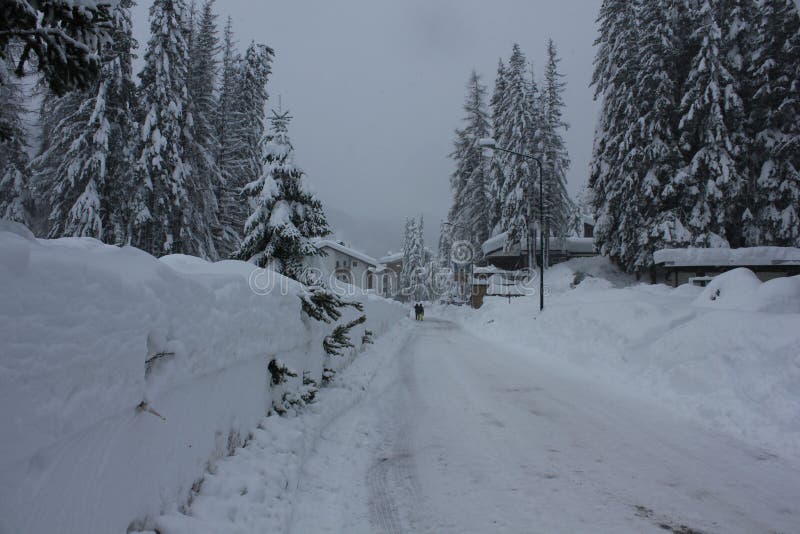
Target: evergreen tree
<point>287,216</point>
<point>202,147</point>
<point>470,214</point>
<point>497,172</point>
<point>232,203</point>
<point>62,39</point>
<point>774,188</point>
<point>410,259</point>
<point>710,110</point>
<point>614,179</point>
<point>513,133</point>
<point>445,243</point>
<point>14,180</point>
<point>656,91</point>
<point>85,170</point>
<point>244,163</point>
<point>163,213</point>
<point>555,158</point>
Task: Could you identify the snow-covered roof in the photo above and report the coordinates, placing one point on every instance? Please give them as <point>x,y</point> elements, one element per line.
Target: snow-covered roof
<point>750,256</point>
<point>327,243</point>
<point>392,257</point>
<point>580,245</point>
<point>489,269</point>
<point>498,243</point>
<point>575,245</point>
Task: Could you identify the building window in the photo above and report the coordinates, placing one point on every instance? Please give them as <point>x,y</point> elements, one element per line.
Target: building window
<point>355,264</point>
<point>337,264</point>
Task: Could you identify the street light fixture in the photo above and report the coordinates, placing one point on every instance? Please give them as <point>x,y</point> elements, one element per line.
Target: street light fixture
<point>488,144</point>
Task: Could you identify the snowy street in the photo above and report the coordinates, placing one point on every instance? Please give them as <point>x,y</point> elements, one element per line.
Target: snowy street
<point>456,435</point>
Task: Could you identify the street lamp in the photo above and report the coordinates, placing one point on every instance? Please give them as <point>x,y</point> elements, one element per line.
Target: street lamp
<point>467,289</point>
<point>488,144</point>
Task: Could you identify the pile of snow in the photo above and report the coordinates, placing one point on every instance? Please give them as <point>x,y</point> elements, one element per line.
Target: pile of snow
<point>740,289</point>
<point>726,354</point>
<point>78,321</point>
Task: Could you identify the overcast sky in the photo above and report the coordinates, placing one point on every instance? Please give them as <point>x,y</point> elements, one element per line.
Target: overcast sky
<point>376,86</point>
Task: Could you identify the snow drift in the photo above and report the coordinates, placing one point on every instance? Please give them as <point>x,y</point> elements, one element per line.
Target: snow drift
<point>78,321</point>
<point>727,355</point>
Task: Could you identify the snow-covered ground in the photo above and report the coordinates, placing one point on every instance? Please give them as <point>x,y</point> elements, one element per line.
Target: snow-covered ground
<point>444,427</point>
<point>439,431</point>
<point>622,408</point>
<point>78,320</point>
<point>727,355</point>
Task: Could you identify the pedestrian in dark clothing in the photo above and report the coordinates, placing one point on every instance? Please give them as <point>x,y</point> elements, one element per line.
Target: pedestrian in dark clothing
<point>418,311</point>
<point>421,311</point>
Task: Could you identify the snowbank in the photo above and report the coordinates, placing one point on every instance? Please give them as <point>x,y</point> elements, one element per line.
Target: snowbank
<point>726,354</point>
<point>78,321</point>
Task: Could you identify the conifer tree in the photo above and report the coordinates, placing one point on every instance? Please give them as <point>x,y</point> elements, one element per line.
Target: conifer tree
<point>614,178</point>
<point>773,214</point>
<point>241,147</point>
<point>513,133</point>
<point>85,170</point>
<point>287,216</point>
<point>232,202</point>
<point>410,263</point>
<point>710,109</point>
<point>555,158</point>
<point>15,201</point>
<point>202,147</point>
<point>470,212</point>
<point>497,173</point>
<point>61,39</point>
<point>163,214</point>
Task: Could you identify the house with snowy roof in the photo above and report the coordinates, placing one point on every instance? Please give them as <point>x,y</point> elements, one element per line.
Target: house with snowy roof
<point>341,262</point>
<point>697,265</point>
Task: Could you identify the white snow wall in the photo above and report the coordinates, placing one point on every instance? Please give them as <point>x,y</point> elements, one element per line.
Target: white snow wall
<point>78,319</point>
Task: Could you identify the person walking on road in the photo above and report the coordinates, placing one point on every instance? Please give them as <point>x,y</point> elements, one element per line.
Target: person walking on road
<point>421,311</point>
<point>417,311</point>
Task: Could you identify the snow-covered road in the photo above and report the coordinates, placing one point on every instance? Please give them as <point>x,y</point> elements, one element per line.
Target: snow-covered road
<point>458,435</point>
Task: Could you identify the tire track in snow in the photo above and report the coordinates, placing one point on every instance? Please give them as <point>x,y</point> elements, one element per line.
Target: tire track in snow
<point>394,490</point>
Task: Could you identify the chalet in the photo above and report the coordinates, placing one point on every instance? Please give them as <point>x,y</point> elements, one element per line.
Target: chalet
<point>345,264</point>
<point>698,265</point>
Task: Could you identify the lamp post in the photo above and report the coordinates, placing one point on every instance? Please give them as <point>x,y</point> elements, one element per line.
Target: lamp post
<point>489,144</point>
<point>465,229</point>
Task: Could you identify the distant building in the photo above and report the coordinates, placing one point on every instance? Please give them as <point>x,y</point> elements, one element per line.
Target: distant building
<point>345,264</point>
<point>512,257</point>
<point>696,265</point>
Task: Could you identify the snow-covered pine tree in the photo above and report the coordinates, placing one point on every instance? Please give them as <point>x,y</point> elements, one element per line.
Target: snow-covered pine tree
<point>233,209</point>
<point>202,148</point>
<point>773,217</point>
<point>162,210</point>
<point>656,90</point>
<point>710,111</point>
<point>613,179</point>
<point>555,159</point>
<point>14,178</point>
<point>287,216</point>
<point>497,173</point>
<point>513,133</point>
<point>61,39</point>
<point>445,243</point>
<point>410,262</point>
<point>242,151</point>
<point>470,214</point>
<point>421,259</point>
<point>84,172</point>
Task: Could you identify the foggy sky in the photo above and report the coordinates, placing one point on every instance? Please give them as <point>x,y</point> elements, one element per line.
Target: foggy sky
<point>376,87</point>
